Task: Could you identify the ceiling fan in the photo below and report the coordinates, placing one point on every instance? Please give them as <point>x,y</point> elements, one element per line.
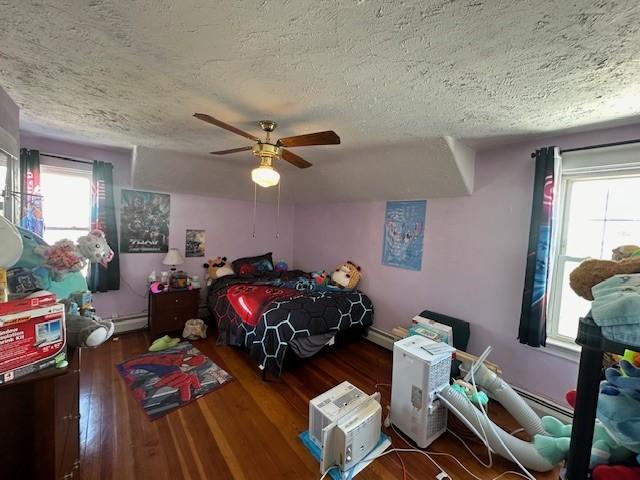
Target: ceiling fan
<point>267,151</point>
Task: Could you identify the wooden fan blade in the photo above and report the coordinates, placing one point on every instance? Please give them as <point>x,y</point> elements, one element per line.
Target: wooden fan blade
<point>214,121</point>
<point>233,150</point>
<point>318,138</point>
<point>294,159</point>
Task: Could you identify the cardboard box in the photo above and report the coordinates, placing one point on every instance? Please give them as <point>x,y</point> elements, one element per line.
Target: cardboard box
<point>31,341</point>
<point>23,304</point>
<point>444,330</point>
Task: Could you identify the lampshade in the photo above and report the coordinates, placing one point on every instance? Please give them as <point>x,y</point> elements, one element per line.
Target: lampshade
<point>173,257</point>
<point>265,176</point>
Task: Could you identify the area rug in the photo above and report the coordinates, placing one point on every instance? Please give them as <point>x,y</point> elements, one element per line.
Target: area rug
<point>167,380</point>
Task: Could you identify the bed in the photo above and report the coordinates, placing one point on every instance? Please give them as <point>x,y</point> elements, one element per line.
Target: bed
<point>273,312</point>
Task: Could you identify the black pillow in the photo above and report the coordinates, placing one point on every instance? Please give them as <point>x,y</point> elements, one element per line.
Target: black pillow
<point>260,263</point>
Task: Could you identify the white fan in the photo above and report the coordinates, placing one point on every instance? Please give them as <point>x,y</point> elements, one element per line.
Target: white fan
<point>11,242</point>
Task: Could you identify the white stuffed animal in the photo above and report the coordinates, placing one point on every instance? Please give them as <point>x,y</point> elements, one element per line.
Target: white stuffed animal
<point>64,256</point>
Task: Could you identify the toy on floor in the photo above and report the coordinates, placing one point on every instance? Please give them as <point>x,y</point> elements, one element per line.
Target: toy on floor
<point>555,446</point>
<point>218,268</point>
<point>85,328</point>
<point>475,396</point>
<point>194,329</point>
<point>346,275</point>
<point>163,343</point>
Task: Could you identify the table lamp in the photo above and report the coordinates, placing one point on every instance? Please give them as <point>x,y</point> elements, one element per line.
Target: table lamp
<point>173,258</point>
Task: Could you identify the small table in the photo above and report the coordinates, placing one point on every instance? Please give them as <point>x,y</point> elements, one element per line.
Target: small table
<point>170,309</point>
<point>589,377</point>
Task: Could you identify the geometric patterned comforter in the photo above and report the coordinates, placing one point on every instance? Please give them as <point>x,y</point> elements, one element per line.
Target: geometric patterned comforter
<point>298,309</point>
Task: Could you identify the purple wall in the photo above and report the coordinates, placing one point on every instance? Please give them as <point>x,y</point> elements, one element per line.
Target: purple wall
<point>474,259</point>
<point>227,222</point>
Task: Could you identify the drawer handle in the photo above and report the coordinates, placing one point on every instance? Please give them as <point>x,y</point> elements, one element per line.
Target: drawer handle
<point>177,300</point>
<point>175,318</point>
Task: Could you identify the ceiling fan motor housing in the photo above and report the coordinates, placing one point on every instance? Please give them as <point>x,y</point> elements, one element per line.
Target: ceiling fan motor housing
<point>267,151</point>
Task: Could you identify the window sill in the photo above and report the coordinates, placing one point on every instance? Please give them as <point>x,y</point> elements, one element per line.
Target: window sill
<point>563,349</point>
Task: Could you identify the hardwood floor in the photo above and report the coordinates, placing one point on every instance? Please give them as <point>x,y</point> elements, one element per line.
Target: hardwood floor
<point>247,429</point>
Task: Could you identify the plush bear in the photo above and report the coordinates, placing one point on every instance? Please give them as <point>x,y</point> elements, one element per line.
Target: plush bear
<point>346,275</point>
<point>217,268</point>
<point>592,272</point>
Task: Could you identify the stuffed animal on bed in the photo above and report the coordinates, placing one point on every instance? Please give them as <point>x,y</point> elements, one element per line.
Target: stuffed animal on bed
<point>218,268</point>
<point>346,275</point>
<point>65,256</point>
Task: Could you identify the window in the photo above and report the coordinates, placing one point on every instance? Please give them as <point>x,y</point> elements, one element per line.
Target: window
<point>598,211</point>
<point>3,181</point>
<point>66,205</point>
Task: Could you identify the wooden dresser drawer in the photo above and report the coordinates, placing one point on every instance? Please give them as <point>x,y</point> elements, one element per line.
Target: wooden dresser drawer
<point>169,310</point>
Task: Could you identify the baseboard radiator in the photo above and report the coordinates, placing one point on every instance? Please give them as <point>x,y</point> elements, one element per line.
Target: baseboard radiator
<point>130,323</point>
<point>540,405</point>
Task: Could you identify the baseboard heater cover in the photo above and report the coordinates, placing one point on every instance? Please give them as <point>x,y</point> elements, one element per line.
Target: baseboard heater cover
<point>130,323</point>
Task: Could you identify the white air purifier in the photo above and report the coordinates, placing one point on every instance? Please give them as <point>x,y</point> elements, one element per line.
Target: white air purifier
<point>421,368</point>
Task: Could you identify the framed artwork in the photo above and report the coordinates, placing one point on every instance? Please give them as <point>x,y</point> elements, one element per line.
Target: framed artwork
<point>403,241</point>
<point>195,245</point>
<point>144,222</point>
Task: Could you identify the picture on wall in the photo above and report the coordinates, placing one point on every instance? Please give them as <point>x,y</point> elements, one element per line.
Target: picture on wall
<point>195,245</point>
<point>403,241</point>
<point>144,222</point>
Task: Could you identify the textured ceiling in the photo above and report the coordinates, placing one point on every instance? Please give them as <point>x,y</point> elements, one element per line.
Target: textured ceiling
<point>131,72</point>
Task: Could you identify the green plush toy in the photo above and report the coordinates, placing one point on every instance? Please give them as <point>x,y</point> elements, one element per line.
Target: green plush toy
<point>555,447</point>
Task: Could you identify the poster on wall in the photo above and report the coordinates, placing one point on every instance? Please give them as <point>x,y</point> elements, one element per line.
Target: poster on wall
<point>404,225</point>
<point>195,243</point>
<point>144,222</point>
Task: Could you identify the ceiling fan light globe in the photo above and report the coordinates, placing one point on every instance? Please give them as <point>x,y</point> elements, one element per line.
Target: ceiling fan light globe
<point>265,176</point>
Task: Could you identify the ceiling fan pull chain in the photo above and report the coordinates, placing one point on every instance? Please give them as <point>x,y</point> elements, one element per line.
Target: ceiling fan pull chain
<point>255,206</point>
<point>278,213</point>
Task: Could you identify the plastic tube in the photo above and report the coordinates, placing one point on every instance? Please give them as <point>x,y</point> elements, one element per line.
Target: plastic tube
<point>497,438</point>
<point>509,399</point>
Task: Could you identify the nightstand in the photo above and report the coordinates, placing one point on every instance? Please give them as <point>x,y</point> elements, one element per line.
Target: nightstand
<point>169,310</point>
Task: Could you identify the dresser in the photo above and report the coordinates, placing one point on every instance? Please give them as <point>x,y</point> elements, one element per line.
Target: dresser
<point>169,310</point>
<point>40,424</point>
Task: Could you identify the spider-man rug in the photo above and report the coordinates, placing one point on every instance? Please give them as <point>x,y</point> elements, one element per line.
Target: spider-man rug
<point>166,380</point>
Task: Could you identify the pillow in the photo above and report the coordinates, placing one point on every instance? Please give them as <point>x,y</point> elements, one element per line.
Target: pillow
<point>259,264</point>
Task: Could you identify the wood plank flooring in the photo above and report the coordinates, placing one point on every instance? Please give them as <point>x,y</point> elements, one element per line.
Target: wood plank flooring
<point>247,429</point>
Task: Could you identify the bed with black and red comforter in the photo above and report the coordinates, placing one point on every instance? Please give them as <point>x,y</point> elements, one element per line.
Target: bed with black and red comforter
<point>270,313</point>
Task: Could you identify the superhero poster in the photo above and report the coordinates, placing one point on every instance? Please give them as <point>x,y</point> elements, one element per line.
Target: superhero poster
<point>144,222</point>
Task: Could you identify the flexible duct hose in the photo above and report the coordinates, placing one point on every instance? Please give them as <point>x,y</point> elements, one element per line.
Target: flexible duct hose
<point>525,452</point>
<point>509,399</point>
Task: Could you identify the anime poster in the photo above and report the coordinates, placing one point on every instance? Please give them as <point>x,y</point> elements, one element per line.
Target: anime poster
<point>144,222</point>
<point>195,243</point>
<point>403,241</point>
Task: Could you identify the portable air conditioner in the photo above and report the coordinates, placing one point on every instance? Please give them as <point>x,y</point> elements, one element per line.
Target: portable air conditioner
<point>330,406</point>
<point>345,423</point>
<point>421,368</point>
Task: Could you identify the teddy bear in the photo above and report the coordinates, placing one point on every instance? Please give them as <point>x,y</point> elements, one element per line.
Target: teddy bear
<point>65,256</point>
<point>83,327</point>
<point>346,275</point>
<point>592,272</point>
<point>218,268</point>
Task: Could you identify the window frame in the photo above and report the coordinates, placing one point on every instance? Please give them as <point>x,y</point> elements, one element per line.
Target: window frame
<point>568,178</point>
<point>65,170</point>
<point>9,190</point>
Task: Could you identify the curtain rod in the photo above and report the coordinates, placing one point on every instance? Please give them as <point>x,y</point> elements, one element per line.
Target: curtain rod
<point>62,157</point>
<point>592,147</point>
<point>601,145</point>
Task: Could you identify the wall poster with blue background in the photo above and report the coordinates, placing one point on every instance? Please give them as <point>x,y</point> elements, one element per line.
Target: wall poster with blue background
<point>403,241</point>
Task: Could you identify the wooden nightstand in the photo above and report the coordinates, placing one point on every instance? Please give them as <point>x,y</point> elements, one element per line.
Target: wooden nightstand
<point>169,310</point>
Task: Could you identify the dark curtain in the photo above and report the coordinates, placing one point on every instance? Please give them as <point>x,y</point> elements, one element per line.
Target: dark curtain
<point>533,317</point>
<point>103,217</point>
<point>30,192</point>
